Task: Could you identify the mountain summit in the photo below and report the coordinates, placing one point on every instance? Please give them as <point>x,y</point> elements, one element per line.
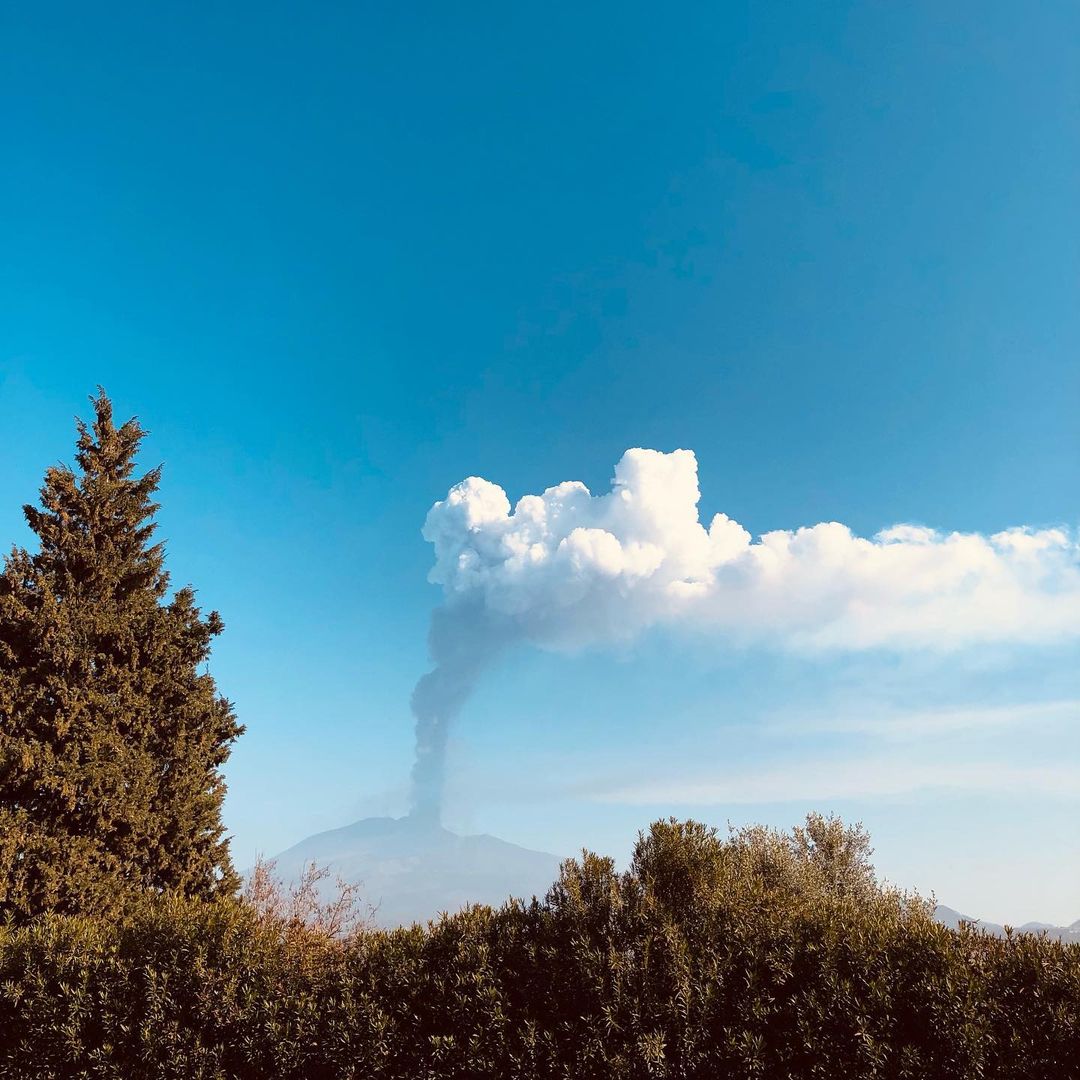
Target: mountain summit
<point>411,869</point>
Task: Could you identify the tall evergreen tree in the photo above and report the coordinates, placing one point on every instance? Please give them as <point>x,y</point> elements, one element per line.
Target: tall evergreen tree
<point>111,739</point>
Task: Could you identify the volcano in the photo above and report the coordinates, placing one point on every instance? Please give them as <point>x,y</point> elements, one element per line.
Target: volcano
<point>411,869</point>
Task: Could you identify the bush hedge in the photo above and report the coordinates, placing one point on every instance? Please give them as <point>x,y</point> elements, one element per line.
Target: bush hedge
<point>759,955</point>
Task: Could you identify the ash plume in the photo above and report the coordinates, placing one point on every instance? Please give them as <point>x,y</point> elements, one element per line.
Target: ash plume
<point>463,640</point>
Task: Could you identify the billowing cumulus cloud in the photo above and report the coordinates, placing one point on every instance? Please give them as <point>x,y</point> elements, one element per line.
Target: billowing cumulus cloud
<point>567,569</point>
<point>570,568</point>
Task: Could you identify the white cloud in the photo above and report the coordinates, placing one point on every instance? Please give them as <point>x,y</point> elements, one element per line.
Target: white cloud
<point>567,568</point>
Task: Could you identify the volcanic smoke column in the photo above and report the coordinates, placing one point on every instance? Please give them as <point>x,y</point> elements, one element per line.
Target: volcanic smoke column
<point>463,639</point>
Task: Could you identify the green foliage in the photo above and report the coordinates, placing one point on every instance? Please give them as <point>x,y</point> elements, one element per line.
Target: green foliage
<point>110,738</point>
<point>759,954</point>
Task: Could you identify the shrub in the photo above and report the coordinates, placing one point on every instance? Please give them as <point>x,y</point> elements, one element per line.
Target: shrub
<point>761,954</point>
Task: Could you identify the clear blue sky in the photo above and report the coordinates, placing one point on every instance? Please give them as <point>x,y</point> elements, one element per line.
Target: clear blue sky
<point>339,257</point>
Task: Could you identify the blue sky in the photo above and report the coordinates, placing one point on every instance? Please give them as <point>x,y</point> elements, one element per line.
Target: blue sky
<point>339,259</point>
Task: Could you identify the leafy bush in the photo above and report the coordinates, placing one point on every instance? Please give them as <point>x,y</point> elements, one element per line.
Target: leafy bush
<point>757,955</point>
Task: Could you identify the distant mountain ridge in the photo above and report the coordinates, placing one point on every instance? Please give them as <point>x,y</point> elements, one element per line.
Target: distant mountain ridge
<point>947,916</point>
<point>411,869</point>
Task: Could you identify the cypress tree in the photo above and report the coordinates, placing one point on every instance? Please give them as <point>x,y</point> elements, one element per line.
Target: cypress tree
<point>111,739</point>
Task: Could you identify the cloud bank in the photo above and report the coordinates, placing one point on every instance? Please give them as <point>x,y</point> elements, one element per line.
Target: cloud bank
<point>567,569</point>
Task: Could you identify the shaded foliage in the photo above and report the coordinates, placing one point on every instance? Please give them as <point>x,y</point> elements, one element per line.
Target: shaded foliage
<point>759,954</point>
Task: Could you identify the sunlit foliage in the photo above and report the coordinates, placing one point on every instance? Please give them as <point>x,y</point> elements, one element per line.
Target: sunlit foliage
<point>112,734</point>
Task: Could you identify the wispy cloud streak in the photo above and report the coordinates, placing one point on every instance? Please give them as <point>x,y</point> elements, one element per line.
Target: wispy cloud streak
<point>822,781</point>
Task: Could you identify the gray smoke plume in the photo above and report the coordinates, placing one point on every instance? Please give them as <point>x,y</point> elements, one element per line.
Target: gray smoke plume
<point>463,640</point>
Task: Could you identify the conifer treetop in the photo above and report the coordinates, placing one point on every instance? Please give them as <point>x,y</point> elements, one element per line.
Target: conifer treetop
<point>94,527</point>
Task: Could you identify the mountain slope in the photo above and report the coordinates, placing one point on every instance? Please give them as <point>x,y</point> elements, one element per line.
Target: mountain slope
<point>947,916</point>
<point>410,870</point>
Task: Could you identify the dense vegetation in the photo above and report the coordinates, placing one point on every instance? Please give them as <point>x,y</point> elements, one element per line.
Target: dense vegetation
<point>126,953</point>
<point>759,955</point>
<point>110,736</point>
